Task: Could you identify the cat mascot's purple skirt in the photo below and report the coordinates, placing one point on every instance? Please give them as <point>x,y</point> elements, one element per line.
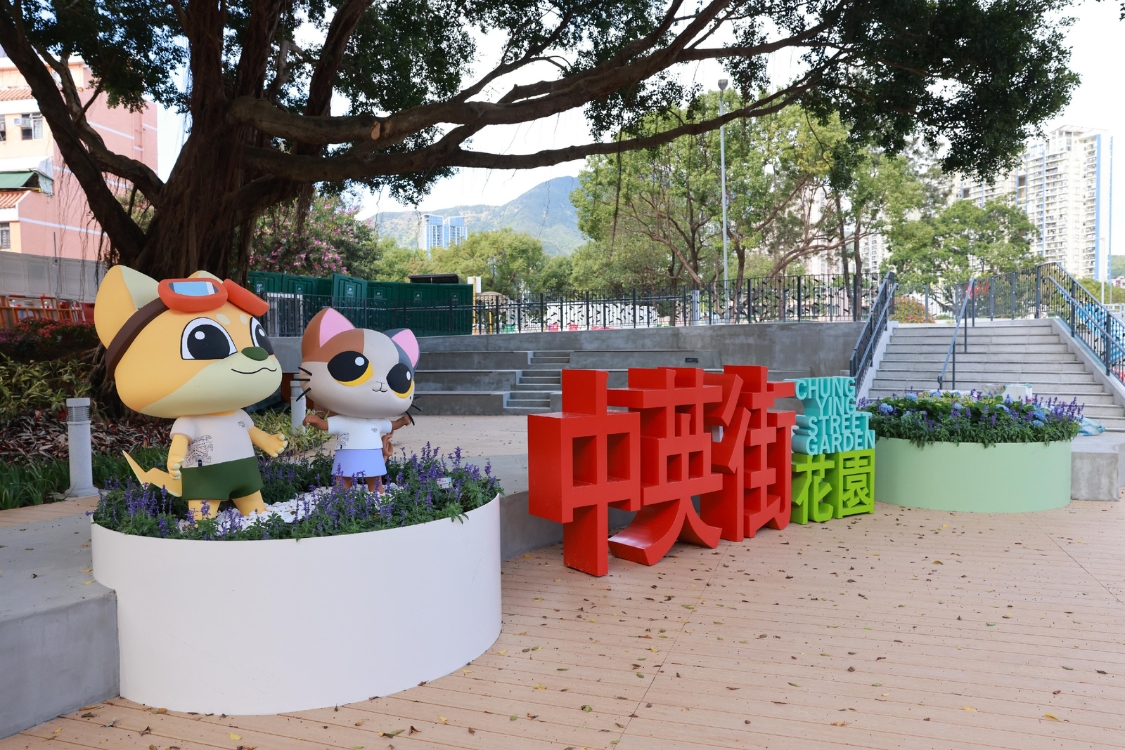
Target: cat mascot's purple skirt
<point>354,462</point>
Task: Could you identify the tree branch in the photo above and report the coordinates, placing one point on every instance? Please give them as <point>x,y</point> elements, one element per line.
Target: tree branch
<point>337,168</point>
<point>126,236</point>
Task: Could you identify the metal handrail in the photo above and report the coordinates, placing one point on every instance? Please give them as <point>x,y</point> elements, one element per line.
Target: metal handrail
<point>952,351</point>
<point>881,310</point>
<point>1111,345</point>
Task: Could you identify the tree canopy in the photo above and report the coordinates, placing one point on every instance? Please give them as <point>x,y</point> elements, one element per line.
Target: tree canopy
<point>420,79</point>
<point>963,240</point>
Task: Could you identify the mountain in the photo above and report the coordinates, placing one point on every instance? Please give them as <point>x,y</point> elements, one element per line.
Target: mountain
<point>544,212</point>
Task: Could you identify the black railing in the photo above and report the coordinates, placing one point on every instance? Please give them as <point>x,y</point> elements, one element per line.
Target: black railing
<point>882,309</point>
<point>968,295</point>
<point>783,298</point>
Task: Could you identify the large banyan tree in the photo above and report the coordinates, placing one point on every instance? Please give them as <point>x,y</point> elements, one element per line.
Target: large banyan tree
<point>978,76</point>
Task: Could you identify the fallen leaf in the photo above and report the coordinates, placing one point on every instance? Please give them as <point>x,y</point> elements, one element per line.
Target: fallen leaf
<point>87,570</point>
<point>502,651</point>
<point>146,730</point>
<point>537,599</point>
<point>1052,717</point>
<point>472,731</point>
<point>466,671</point>
<point>412,731</point>
<point>234,736</point>
<point>159,711</point>
<point>839,723</point>
<point>640,674</point>
<point>780,703</point>
<point>968,708</point>
<point>111,723</point>
<point>539,687</point>
<point>793,684</point>
<point>587,708</point>
<point>1068,669</point>
<point>442,719</point>
<point>90,708</point>
<point>513,717</point>
<point>393,733</point>
<point>938,562</point>
<point>86,583</point>
<point>57,731</point>
<point>88,715</point>
<point>1101,671</point>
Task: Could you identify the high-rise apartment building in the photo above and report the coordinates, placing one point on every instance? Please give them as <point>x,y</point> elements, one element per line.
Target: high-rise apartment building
<point>438,231</point>
<point>1065,185</point>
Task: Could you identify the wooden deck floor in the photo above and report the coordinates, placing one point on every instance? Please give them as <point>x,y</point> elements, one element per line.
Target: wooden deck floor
<point>904,629</point>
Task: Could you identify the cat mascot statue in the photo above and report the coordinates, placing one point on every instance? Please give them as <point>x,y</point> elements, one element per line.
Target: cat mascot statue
<point>365,381</point>
<point>193,350</point>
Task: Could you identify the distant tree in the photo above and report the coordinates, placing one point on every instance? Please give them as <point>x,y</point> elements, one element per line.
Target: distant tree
<point>554,278</point>
<point>398,263</point>
<point>506,261</point>
<point>963,241</point>
<point>1116,266</point>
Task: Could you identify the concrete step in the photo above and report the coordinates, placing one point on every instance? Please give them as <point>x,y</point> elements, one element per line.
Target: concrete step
<point>965,383</point>
<point>982,356</point>
<point>537,387</point>
<point>909,348</point>
<point>1052,369</point>
<point>522,410</point>
<point>528,404</point>
<point>989,376</point>
<point>986,341</point>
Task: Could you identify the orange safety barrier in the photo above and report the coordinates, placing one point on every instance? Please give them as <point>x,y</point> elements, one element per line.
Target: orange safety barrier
<point>17,307</point>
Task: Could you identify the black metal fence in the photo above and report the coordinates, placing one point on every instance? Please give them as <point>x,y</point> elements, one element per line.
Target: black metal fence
<point>782,298</point>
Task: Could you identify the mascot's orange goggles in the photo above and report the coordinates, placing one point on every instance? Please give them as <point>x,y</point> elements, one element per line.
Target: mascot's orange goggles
<point>183,295</point>
<point>201,294</point>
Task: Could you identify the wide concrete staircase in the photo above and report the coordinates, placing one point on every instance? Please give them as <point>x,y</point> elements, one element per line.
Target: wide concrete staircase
<point>1026,352</point>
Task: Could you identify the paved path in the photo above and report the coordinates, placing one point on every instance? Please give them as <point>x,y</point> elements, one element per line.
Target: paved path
<point>902,629</point>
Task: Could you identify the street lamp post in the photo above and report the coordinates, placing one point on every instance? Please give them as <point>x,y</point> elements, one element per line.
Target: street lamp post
<point>723,182</point>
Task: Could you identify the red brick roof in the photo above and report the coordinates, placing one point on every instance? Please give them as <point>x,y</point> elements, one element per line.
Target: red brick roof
<point>9,198</point>
<point>15,93</point>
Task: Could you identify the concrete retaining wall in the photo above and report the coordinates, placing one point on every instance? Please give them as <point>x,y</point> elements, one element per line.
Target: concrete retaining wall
<point>823,349</point>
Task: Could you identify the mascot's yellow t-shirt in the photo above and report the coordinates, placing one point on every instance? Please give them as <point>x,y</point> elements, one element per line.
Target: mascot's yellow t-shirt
<point>216,438</point>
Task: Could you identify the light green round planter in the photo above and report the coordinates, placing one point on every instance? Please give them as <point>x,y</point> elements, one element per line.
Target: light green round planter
<point>1002,478</point>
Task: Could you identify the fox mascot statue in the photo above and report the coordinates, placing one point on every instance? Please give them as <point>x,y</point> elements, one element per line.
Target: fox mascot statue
<point>193,350</point>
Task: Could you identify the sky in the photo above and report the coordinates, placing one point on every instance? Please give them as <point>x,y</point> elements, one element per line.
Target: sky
<point>1097,40</point>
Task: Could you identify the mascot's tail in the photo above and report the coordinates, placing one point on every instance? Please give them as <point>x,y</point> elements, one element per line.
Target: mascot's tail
<point>156,477</point>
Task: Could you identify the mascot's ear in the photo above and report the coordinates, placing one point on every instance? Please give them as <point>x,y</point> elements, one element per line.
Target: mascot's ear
<point>324,325</point>
<point>404,337</point>
<point>122,292</point>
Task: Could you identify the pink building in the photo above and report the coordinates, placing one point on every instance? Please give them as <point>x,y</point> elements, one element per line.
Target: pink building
<point>49,240</point>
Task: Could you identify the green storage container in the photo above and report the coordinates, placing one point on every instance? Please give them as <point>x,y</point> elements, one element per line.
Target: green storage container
<point>265,282</point>
<point>347,290</point>
<point>307,286</point>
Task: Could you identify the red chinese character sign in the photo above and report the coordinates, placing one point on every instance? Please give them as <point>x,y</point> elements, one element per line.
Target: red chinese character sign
<point>657,456</point>
<point>753,455</point>
<point>580,462</point>
<point>675,461</point>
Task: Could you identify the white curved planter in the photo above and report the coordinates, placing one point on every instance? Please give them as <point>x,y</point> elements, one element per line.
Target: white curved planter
<point>262,627</point>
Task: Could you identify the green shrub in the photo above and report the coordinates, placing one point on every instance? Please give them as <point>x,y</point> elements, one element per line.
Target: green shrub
<point>428,488</point>
<point>274,421</point>
<point>932,417</point>
<point>37,482</point>
<point>44,386</point>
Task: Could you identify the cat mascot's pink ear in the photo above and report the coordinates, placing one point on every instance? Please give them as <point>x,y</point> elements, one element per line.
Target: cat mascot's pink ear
<point>324,325</point>
<point>406,341</point>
